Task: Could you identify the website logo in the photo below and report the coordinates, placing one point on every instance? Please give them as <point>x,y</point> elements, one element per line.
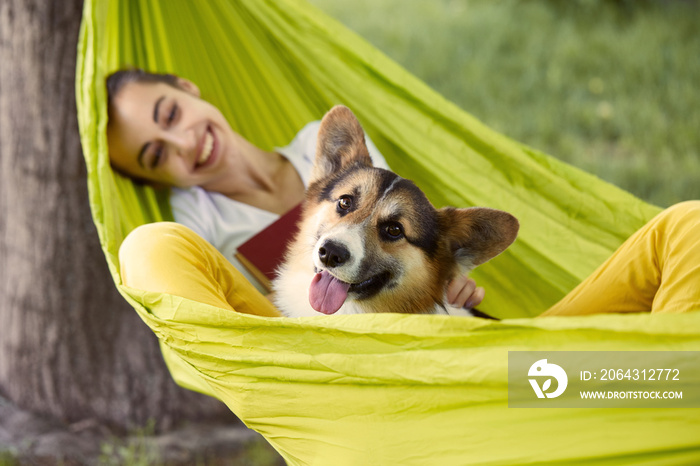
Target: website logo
<point>542,369</point>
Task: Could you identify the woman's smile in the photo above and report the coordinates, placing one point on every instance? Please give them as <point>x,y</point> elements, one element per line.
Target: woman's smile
<point>205,155</point>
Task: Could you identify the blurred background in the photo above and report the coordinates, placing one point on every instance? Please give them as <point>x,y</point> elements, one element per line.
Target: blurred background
<point>612,87</point>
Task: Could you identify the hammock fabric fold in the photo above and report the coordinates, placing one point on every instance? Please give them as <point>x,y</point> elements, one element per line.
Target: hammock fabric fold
<point>380,389</point>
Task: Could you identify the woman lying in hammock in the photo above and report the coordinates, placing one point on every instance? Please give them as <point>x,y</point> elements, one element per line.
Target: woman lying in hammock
<point>226,190</point>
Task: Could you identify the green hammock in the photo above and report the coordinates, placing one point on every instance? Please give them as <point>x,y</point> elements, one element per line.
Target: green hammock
<point>380,389</point>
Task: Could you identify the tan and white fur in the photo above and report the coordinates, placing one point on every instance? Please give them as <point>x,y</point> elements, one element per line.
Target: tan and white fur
<point>370,241</point>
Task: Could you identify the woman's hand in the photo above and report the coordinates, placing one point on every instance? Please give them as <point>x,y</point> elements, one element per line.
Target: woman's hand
<point>463,292</point>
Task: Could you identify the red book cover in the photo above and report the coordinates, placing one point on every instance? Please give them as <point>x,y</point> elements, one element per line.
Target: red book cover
<point>263,253</point>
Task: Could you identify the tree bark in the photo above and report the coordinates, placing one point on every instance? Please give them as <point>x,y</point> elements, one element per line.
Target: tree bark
<point>70,346</point>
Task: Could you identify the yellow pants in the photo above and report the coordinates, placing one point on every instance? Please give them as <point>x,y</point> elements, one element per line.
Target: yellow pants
<point>170,258</point>
<point>657,269</point>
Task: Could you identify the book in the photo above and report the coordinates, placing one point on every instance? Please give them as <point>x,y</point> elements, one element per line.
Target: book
<point>262,254</point>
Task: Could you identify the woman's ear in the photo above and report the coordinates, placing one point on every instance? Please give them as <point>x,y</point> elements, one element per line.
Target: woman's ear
<point>188,86</point>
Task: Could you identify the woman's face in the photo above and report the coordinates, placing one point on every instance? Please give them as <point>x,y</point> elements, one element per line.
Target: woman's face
<point>168,135</point>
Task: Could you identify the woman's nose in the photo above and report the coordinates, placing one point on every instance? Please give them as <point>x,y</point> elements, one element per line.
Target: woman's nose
<point>183,141</point>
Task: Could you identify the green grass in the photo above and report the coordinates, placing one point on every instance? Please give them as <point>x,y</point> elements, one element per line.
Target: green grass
<point>8,459</point>
<point>611,87</point>
<point>139,449</point>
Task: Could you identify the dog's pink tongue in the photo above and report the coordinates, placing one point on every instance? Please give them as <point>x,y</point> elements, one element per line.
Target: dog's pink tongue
<point>327,293</point>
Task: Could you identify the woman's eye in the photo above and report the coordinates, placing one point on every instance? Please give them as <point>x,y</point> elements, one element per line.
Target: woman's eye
<point>172,114</point>
<point>157,156</point>
<point>345,203</point>
<point>394,231</point>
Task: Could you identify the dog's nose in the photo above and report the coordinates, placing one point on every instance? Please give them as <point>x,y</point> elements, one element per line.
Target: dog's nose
<point>333,254</point>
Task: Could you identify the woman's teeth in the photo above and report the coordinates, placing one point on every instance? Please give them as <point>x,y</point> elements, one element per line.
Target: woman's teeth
<point>206,149</point>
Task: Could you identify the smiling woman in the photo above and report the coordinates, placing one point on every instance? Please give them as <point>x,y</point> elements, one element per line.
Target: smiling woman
<point>161,132</point>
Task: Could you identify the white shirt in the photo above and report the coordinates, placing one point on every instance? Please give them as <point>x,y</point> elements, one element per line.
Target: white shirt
<point>227,223</point>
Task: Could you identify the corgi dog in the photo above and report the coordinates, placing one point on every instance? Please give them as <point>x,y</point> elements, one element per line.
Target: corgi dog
<point>370,241</point>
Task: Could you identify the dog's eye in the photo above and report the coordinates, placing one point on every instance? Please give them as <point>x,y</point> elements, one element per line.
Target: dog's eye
<point>394,231</point>
<point>345,203</point>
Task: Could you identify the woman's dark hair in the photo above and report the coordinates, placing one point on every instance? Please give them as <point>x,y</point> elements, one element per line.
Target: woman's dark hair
<point>117,80</point>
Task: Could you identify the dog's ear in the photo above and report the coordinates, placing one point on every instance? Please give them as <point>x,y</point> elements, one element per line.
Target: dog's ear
<point>341,143</point>
<point>477,234</point>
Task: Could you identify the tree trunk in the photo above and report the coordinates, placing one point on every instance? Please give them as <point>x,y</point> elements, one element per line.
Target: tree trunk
<point>70,346</point>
